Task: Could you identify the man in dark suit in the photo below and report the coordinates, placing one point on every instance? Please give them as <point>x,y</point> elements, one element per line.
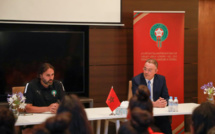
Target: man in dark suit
<point>159,94</point>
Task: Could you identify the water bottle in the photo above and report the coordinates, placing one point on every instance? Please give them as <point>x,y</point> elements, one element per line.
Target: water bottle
<point>175,104</point>
<point>170,106</point>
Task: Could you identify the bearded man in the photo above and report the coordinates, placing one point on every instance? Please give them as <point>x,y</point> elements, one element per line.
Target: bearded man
<point>43,93</point>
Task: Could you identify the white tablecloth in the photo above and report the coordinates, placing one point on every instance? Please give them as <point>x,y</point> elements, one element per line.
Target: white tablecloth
<point>103,113</point>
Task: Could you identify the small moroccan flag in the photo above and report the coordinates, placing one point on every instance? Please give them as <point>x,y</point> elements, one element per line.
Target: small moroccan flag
<point>112,100</point>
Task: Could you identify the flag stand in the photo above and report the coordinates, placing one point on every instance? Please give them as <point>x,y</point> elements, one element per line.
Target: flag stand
<point>112,113</point>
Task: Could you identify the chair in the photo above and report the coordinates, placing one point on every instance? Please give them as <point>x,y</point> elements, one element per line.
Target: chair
<point>129,89</point>
<point>87,100</point>
<point>18,89</point>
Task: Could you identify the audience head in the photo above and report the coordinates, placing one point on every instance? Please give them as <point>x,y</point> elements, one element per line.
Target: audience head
<point>139,122</point>
<point>58,124</point>
<point>79,122</point>
<point>7,121</point>
<point>203,118</point>
<point>40,129</point>
<point>141,99</point>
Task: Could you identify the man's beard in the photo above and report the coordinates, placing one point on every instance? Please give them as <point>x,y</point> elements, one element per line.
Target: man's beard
<point>50,82</point>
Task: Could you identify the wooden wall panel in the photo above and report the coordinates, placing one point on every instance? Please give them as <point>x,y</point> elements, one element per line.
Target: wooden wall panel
<point>191,46</point>
<point>110,46</point>
<point>104,77</point>
<point>206,47</point>
<point>190,85</point>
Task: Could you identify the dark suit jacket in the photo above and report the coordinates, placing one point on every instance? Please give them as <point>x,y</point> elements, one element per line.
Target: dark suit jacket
<point>159,86</point>
<point>159,90</point>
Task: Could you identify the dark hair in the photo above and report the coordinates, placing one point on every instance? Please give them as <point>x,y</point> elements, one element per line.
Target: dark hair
<point>153,61</point>
<point>141,99</point>
<point>40,129</point>
<point>141,119</point>
<point>203,118</point>
<point>44,67</point>
<point>7,121</point>
<point>58,124</point>
<point>139,122</point>
<point>79,123</point>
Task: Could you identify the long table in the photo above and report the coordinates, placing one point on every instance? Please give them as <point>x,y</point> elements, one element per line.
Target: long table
<point>103,113</point>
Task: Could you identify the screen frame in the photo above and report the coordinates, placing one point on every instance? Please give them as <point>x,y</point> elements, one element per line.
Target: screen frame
<point>57,28</point>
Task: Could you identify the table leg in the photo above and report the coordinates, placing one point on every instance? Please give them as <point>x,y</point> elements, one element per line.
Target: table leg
<point>106,126</point>
<point>91,104</point>
<point>117,125</point>
<point>92,126</point>
<point>98,127</point>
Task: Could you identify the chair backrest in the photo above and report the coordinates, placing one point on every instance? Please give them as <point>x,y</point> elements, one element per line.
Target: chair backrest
<point>129,89</point>
<point>18,89</point>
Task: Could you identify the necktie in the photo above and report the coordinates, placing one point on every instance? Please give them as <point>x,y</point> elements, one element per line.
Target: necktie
<point>149,87</point>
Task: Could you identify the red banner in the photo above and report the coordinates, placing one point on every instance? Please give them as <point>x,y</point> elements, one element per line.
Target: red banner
<point>160,36</point>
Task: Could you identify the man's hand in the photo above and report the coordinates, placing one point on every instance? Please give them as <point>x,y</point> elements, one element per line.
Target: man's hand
<point>161,103</point>
<point>53,107</point>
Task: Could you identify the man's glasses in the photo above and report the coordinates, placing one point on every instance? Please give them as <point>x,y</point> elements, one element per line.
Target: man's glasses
<point>149,70</point>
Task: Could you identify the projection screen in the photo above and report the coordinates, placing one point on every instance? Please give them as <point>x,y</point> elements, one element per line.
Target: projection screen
<point>63,11</point>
